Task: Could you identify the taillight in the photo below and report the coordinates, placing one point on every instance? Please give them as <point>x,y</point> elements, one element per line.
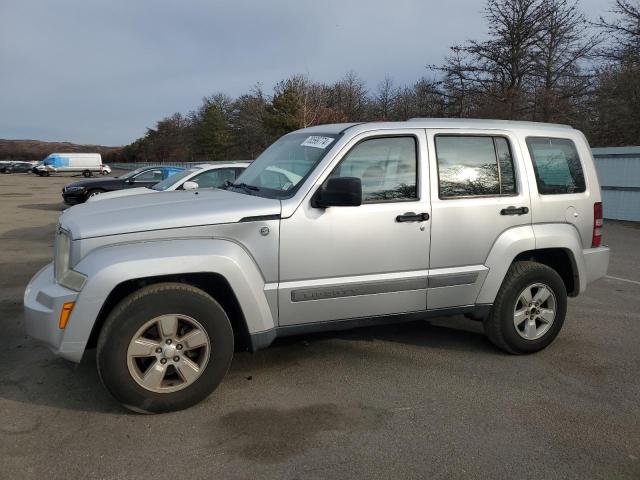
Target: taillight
<point>596,240</point>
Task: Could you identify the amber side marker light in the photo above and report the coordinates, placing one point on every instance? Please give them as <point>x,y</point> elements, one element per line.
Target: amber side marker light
<point>65,313</point>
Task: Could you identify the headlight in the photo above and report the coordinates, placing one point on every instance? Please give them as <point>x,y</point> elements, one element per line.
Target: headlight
<point>61,268</point>
<point>74,189</point>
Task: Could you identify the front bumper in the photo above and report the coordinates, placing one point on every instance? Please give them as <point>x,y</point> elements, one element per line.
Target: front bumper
<point>73,198</point>
<point>43,300</point>
<point>596,263</point>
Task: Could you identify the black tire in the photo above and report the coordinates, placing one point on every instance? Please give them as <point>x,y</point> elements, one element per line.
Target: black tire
<point>86,173</point>
<point>499,325</point>
<point>93,192</point>
<point>131,314</point>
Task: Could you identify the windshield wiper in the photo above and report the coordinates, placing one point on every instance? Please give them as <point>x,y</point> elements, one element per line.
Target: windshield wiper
<point>242,185</point>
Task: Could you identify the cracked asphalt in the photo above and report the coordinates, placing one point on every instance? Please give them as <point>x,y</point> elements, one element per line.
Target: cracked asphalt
<point>420,400</point>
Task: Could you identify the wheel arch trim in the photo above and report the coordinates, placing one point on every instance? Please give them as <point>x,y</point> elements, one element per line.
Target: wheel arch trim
<point>109,267</point>
<point>517,240</point>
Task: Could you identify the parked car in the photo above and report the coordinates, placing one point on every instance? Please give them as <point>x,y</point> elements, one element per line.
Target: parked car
<point>85,163</point>
<point>387,222</point>
<point>16,167</point>
<point>200,176</point>
<point>79,192</point>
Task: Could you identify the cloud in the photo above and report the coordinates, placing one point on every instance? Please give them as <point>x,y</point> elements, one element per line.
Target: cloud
<point>102,72</point>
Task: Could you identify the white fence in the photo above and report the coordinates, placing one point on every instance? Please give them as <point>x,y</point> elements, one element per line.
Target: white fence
<point>619,174</point>
<point>133,166</point>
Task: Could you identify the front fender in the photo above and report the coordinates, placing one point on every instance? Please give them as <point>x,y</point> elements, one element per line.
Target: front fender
<point>109,266</point>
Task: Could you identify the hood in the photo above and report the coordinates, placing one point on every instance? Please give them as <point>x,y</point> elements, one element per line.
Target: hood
<point>121,193</point>
<point>163,210</point>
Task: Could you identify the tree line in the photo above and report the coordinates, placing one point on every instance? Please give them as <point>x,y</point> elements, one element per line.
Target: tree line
<point>541,60</point>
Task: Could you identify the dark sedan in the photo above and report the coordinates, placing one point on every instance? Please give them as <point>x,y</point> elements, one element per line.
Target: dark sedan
<point>16,167</point>
<point>78,192</point>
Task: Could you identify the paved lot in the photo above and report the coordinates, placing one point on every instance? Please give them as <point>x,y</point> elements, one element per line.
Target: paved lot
<point>420,400</point>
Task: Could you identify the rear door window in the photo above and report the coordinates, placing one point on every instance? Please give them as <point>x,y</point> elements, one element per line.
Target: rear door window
<point>149,176</point>
<point>474,165</point>
<point>557,165</point>
<point>215,178</point>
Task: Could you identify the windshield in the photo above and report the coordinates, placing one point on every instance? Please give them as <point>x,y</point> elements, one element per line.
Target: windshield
<point>281,168</point>
<point>172,179</point>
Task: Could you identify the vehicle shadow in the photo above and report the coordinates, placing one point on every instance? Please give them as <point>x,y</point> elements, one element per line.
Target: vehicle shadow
<point>54,382</point>
<point>443,335</point>
<point>56,207</point>
<point>453,333</point>
<point>43,234</point>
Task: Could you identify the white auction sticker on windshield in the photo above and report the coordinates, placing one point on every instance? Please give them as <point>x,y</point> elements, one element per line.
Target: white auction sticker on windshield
<point>317,142</point>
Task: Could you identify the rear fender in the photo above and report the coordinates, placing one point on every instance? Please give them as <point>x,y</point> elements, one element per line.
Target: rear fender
<point>525,238</point>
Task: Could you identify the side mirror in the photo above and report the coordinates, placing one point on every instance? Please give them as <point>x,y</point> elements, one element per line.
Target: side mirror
<point>190,185</point>
<point>130,180</point>
<point>339,192</point>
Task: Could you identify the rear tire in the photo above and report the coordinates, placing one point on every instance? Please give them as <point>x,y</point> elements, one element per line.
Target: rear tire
<point>516,323</point>
<point>86,173</point>
<point>124,370</point>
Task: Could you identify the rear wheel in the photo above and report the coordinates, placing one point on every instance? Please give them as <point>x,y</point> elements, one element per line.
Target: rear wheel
<point>165,347</point>
<point>529,309</point>
<point>86,173</point>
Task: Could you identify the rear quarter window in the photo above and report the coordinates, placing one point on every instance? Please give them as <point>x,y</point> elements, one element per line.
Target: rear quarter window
<point>557,165</point>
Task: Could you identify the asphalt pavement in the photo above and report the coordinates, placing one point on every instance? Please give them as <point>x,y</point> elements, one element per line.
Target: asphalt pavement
<point>421,400</point>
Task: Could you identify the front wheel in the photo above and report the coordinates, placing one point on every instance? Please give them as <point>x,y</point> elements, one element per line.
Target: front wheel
<point>93,193</point>
<point>529,309</point>
<point>165,347</point>
<point>86,173</point>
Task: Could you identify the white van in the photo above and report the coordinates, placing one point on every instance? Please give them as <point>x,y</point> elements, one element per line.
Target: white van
<point>86,163</point>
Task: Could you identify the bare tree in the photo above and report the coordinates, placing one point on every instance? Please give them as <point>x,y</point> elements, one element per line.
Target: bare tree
<point>615,104</point>
<point>498,69</point>
<point>383,99</point>
<point>564,43</point>
<point>428,98</point>
<point>623,30</point>
<point>349,98</point>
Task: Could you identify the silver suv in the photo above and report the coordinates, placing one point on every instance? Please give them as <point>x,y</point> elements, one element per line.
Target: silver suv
<point>332,227</point>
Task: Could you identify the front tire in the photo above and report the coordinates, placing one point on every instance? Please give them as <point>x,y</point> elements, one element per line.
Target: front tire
<point>529,309</point>
<point>86,173</point>
<point>93,193</point>
<point>165,347</point>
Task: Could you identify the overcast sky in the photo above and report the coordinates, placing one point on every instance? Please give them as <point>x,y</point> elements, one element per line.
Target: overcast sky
<point>103,71</point>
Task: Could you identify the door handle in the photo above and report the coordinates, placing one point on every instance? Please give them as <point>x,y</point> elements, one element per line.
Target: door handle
<point>412,217</point>
<point>514,211</point>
